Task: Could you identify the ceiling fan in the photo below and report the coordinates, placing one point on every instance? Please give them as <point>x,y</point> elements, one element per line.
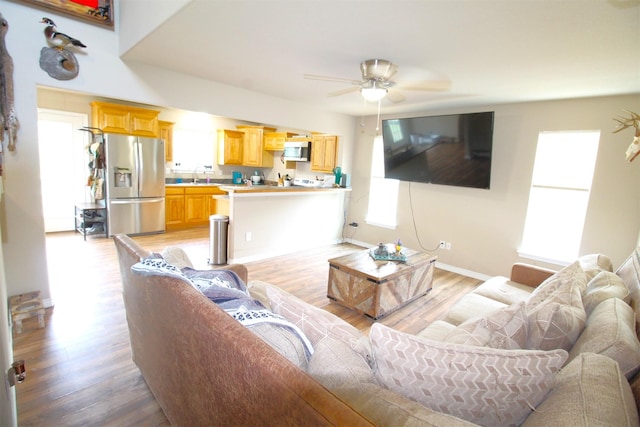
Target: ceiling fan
<point>376,82</point>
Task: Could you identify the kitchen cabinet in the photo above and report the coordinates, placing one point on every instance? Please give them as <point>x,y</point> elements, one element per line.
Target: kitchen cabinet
<point>230,147</point>
<point>124,119</point>
<point>174,207</point>
<point>190,206</point>
<point>253,152</point>
<point>166,133</point>
<point>324,150</point>
<point>274,141</point>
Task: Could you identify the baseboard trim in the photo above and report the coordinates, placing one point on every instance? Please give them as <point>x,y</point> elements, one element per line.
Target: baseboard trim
<point>442,266</point>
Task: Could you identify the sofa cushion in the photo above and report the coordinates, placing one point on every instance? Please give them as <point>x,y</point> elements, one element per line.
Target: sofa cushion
<point>317,323</point>
<point>610,330</point>
<point>555,310</point>
<point>386,408</point>
<point>593,264</point>
<point>504,290</point>
<point>483,385</point>
<point>335,364</point>
<point>284,341</point>
<point>506,328</point>
<point>591,390</point>
<point>629,272</point>
<point>603,286</point>
<point>437,330</point>
<point>470,306</point>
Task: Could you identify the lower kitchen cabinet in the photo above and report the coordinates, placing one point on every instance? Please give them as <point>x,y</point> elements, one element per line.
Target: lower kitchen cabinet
<point>174,207</point>
<point>190,206</point>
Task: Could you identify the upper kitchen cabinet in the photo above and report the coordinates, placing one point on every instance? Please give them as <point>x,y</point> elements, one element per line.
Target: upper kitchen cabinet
<point>253,151</point>
<point>124,119</point>
<point>274,141</point>
<point>230,147</point>
<point>324,150</point>
<point>166,133</point>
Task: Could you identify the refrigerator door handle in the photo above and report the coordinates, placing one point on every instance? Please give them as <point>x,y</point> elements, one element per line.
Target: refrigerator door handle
<point>136,201</point>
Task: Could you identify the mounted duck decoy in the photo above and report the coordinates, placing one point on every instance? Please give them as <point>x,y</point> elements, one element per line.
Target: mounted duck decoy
<point>57,39</point>
<point>59,62</point>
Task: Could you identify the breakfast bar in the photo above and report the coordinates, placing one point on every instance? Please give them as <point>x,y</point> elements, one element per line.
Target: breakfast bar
<point>267,221</point>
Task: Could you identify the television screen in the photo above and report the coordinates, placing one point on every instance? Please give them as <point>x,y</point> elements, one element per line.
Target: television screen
<point>448,150</point>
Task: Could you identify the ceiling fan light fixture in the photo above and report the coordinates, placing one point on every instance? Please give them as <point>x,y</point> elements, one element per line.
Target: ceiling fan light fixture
<point>373,93</point>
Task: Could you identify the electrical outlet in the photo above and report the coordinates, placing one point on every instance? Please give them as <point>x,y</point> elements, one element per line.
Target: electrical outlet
<point>442,245</point>
<point>447,246</point>
<point>247,236</point>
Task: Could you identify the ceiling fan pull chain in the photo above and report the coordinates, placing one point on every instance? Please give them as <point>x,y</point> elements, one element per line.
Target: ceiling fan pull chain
<point>378,119</point>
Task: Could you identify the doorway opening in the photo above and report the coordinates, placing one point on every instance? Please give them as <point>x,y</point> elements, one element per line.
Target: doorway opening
<point>63,166</point>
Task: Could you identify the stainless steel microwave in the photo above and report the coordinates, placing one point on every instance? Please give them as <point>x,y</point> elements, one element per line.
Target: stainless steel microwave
<point>298,151</point>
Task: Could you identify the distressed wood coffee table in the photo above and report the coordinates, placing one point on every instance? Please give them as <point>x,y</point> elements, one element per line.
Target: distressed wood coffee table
<point>377,288</point>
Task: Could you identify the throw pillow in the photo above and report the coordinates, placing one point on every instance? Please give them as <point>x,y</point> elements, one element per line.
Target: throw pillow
<point>571,275</point>
<point>603,286</point>
<point>506,328</point>
<point>316,323</point>
<point>557,322</point>
<point>176,256</point>
<point>610,330</point>
<point>483,385</point>
<point>555,311</point>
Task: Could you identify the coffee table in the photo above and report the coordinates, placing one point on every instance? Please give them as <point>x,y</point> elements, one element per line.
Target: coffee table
<point>377,288</point>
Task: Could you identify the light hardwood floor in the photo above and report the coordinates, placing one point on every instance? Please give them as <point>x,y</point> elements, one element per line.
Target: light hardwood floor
<point>79,368</point>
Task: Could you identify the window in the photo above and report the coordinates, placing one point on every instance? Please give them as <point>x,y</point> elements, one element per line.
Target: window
<point>559,195</point>
<point>383,193</point>
<point>193,149</point>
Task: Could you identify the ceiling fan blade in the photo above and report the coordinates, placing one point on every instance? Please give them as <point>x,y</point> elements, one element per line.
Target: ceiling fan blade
<point>395,96</point>
<point>343,91</point>
<point>331,79</point>
<point>427,85</point>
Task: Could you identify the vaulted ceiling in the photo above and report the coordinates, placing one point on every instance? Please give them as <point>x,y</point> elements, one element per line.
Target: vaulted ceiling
<point>492,51</point>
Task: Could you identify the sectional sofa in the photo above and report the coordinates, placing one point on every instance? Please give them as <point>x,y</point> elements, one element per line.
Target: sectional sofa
<point>216,349</point>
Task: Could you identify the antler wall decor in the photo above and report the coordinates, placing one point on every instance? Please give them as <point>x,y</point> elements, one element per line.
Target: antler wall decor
<point>623,122</point>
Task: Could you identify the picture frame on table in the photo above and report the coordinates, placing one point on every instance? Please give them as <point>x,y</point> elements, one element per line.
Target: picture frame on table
<point>99,12</point>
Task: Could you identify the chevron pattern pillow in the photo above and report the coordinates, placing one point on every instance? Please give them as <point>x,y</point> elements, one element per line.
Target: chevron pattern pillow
<point>483,385</point>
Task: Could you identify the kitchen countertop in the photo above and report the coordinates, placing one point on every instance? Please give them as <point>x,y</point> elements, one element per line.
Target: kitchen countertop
<point>247,190</point>
<point>255,189</point>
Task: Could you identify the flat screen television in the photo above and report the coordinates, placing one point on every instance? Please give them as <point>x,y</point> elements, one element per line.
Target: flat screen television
<point>447,150</point>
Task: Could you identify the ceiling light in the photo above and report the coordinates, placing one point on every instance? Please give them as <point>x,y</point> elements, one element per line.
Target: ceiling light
<point>373,93</point>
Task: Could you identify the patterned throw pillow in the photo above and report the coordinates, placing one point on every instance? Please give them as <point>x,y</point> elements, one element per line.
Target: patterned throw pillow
<point>483,385</point>
<point>555,310</point>
<point>571,275</point>
<point>506,328</point>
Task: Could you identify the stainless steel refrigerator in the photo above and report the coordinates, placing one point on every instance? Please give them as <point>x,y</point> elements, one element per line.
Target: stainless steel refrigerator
<point>135,184</point>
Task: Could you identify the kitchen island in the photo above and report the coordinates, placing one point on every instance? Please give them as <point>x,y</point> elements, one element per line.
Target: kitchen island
<point>267,221</point>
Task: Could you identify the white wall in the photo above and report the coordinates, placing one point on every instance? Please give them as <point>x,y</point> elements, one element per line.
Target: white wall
<point>103,74</point>
<point>485,226</point>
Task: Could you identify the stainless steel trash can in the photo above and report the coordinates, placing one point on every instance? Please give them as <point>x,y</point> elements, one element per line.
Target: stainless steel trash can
<point>219,225</point>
